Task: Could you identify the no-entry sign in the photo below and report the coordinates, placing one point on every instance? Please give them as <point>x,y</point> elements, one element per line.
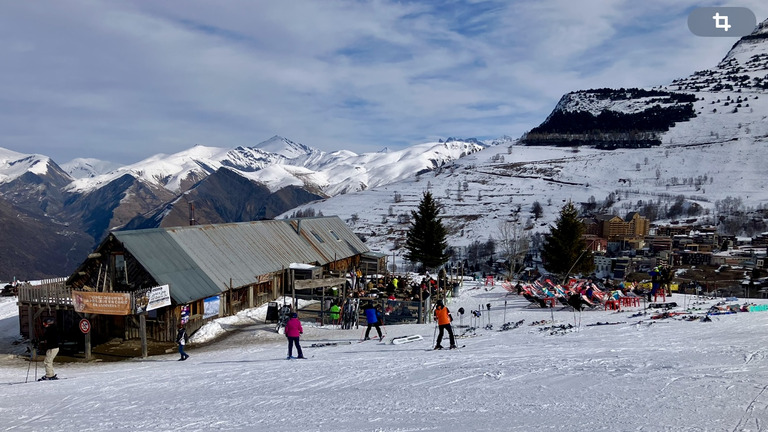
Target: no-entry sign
<point>85,326</point>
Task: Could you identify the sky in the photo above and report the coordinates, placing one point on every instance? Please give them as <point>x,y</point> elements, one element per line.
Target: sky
<point>121,81</point>
<point>632,373</point>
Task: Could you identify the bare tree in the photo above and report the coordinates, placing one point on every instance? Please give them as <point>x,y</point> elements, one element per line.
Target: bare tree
<point>513,243</point>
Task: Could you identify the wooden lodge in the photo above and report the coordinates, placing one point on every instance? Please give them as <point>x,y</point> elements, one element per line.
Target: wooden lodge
<point>210,271</point>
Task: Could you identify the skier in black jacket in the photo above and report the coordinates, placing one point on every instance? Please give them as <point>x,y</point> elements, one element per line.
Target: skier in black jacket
<point>50,343</point>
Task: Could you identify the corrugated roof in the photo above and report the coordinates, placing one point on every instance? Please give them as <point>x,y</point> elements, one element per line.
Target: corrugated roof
<point>168,264</point>
<point>330,238</point>
<point>202,260</point>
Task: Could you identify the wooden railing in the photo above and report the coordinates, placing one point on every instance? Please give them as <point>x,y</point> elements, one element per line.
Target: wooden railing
<point>51,292</point>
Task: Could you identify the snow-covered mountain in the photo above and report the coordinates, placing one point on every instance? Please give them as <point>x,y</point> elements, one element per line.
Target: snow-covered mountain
<point>14,165</point>
<point>656,160</point>
<point>289,164</point>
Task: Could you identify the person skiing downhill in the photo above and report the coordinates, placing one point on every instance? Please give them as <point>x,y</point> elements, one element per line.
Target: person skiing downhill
<point>181,339</point>
<point>372,316</point>
<point>444,318</point>
<point>50,343</point>
<point>293,331</point>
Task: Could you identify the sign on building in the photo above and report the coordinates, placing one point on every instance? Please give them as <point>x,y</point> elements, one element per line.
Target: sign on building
<point>102,303</point>
<point>211,307</point>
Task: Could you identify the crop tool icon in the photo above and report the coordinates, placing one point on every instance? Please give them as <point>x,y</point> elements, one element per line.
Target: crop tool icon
<point>721,22</point>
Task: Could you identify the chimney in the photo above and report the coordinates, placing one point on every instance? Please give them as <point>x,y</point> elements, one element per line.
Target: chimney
<point>192,213</point>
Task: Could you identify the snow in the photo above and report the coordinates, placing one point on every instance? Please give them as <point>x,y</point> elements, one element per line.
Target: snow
<point>669,375</point>
<point>14,165</point>
<point>87,167</point>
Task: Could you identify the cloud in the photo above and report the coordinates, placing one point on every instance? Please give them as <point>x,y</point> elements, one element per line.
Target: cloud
<point>122,81</point>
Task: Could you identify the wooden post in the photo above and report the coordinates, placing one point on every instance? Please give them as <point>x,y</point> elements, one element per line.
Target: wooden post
<point>143,333</point>
<point>31,323</point>
<point>88,352</point>
<point>293,292</point>
<point>322,308</point>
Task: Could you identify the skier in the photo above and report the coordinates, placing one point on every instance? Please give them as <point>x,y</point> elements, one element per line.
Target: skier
<point>50,343</point>
<point>293,331</point>
<point>372,316</point>
<point>181,339</point>
<point>444,318</point>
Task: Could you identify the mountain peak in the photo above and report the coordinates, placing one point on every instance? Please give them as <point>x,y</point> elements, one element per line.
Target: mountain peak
<point>761,29</point>
<point>284,147</point>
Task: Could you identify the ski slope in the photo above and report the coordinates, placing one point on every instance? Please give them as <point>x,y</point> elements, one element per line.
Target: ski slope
<point>671,375</point>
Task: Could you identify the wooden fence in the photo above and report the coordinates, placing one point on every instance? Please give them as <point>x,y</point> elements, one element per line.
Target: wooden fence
<point>51,292</point>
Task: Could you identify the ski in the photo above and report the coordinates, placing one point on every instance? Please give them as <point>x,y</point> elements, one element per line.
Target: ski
<point>606,323</point>
<point>373,339</point>
<point>327,344</point>
<point>406,339</point>
<point>29,382</point>
<point>447,349</point>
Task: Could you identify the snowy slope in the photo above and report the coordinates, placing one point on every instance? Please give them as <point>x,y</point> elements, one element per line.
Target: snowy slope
<point>14,165</point>
<point>87,167</point>
<point>636,375</point>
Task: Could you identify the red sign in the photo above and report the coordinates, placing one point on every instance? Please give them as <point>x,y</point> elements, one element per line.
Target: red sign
<point>85,326</point>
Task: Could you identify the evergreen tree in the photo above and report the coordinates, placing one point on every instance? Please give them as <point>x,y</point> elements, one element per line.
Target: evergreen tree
<point>426,242</point>
<point>564,248</point>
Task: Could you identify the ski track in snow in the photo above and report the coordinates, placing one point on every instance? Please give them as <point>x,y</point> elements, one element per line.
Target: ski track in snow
<point>675,376</point>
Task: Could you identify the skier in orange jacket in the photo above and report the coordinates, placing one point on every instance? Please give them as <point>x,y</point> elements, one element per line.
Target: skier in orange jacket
<point>444,318</point>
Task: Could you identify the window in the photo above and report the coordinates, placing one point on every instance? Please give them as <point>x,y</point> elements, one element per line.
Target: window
<point>120,270</point>
<point>336,236</point>
<point>317,236</point>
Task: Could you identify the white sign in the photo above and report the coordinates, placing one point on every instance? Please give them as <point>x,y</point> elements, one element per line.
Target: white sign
<point>159,296</point>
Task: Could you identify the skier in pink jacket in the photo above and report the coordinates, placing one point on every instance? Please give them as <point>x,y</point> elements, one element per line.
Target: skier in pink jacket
<point>293,331</point>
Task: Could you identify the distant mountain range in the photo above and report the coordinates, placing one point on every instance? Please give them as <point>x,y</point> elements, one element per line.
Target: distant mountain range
<point>70,208</point>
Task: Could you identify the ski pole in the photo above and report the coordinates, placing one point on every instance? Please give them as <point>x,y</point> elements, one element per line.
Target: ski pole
<point>29,366</point>
<point>434,335</point>
<point>505,311</point>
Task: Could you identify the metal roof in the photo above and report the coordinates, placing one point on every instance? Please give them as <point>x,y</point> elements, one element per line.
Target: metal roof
<point>203,260</point>
<point>168,264</point>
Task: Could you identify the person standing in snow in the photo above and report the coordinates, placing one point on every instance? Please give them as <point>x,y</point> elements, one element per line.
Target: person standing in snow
<point>372,317</point>
<point>335,313</point>
<point>50,343</point>
<point>444,318</point>
<point>181,340</point>
<point>293,331</point>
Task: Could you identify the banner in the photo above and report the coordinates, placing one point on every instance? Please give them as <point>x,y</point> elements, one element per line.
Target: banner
<point>211,307</point>
<point>102,303</point>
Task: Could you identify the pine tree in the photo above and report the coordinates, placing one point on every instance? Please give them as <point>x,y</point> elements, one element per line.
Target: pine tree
<point>426,242</point>
<point>564,250</point>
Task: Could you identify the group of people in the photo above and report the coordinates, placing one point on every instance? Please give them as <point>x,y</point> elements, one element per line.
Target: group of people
<point>293,328</point>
